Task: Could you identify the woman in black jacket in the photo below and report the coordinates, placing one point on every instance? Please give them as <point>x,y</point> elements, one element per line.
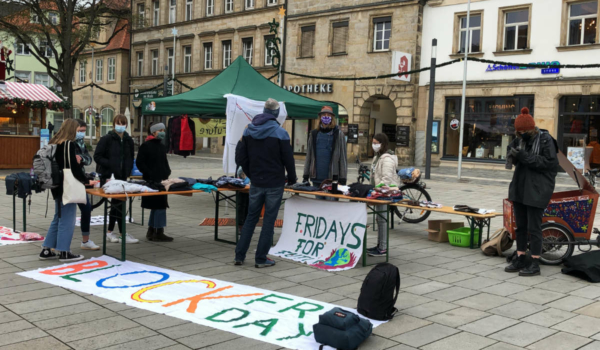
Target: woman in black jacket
<point>114,156</point>
<point>153,164</point>
<point>534,154</point>
<point>61,229</point>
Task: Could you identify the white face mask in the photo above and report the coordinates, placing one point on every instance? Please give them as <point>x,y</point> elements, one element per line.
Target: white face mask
<point>376,147</point>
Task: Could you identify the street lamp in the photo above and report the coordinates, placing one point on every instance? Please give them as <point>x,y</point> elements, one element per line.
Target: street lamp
<point>464,92</point>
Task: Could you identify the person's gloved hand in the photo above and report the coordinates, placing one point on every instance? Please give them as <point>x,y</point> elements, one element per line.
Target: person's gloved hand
<point>291,182</point>
<point>513,152</point>
<point>305,179</point>
<point>343,182</point>
<point>521,154</point>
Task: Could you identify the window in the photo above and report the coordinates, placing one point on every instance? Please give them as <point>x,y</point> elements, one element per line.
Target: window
<point>340,38</point>
<point>269,45</point>
<point>170,56</point>
<point>107,120</point>
<point>22,77</point>
<point>247,50</point>
<point>156,15</point>
<point>42,78</point>
<point>516,30</point>
<point>154,62</point>
<point>141,15</point>
<point>172,11</point>
<point>111,69</point>
<point>187,59</point>
<point>189,4</point>
<point>583,22</point>
<point>228,6</point>
<point>140,64</point>
<point>210,7</point>
<point>474,32</point>
<point>35,18</point>
<point>22,48</point>
<point>46,49</point>
<point>53,18</point>
<point>307,41</point>
<point>82,72</point>
<point>99,70</point>
<point>249,4</point>
<point>272,2</point>
<point>382,30</point>
<point>208,56</point>
<point>226,53</point>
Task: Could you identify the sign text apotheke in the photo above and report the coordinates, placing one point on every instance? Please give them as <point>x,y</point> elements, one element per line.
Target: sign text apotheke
<point>311,88</point>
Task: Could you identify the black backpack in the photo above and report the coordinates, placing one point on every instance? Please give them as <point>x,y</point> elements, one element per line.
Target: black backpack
<point>341,329</point>
<point>377,297</point>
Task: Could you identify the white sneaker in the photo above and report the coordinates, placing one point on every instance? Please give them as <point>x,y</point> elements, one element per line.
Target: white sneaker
<point>130,239</point>
<point>89,245</point>
<point>113,237</point>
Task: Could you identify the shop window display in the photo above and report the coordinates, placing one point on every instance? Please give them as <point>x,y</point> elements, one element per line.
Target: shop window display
<point>488,126</point>
<point>579,121</point>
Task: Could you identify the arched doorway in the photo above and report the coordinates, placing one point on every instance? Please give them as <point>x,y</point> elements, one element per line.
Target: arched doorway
<point>377,115</point>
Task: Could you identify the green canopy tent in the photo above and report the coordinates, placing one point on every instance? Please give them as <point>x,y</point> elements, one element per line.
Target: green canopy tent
<point>238,79</point>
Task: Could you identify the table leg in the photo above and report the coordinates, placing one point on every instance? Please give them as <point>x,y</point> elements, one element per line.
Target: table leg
<point>387,235</point>
<point>237,224</point>
<point>217,200</point>
<point>14,212</point>
<point>392,219</point>
<point>124,229</point>
<point>472,236</point>
<point>24,215</point>
<point>130,212</point>
<point>142,223</point>
<point>364,253</point>
<point>104,230</point>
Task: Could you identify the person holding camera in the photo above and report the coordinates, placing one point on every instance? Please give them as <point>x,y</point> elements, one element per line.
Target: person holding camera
<point>533,152</point>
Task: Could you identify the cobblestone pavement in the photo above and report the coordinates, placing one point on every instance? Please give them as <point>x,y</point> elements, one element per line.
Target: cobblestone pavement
<point>450,297</point>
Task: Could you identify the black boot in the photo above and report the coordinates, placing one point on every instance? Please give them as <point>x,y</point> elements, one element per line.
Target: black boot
<point>150,234</point>
<point>160,236</point>
<point>532,270</point>
<point>517,264</point>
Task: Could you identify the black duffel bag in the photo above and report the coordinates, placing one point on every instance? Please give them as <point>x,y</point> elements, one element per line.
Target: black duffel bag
<point>341,329</point>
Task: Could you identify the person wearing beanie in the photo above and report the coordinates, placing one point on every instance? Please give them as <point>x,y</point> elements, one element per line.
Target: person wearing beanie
<point>533,152</point>
<point>265,154</point>
<point>326,151</point>
<point>152,162</point>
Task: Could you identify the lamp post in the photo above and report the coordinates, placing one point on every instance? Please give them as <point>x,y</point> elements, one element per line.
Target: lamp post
<point>174,32</point>
<point>92,122</point>
<point>430,113</point>
<point>464,91</point>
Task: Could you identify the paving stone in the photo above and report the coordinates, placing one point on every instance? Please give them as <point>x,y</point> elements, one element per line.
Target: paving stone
<point>21,336</point>
<point>150,343</point>
<point>38,343</point>
<point>560,341</point>
<point>135,313</point>
<point>308,276</point>
<point>90,329</point>
<point>505,289</point>
<point>489,325</point>
<point>46,303</point>
<point>426,288</point>
<point>549,317</point>
<point>527,281</point>
<point>592,346</point>
<point>399,347</point>
<point>483,301</point>
<point>451,294</point>
<point>434,272</point>
<point>413,268</point>
<point>15,326</point>
<point>75,319</point>
<point>8,316</point>
<point>398,325</point>
<point>592,310</point>
<point>25,288</point>
<point>242,343</point>
<point>570,303</point>
<point>580,325</point>
<point>407,300</point>
<point>561,286</point>
<point>176,347</point>
<point>462,341</point>
<point>425,335</point>
<point>503,346</point>
<point>301,291</point>
<point>184,330</point>
<point>590,292</point>
<point>457,265</point>
<point>458,317</point>
<point>117,337</point>
<point>207,338</point>
<point>538,296</point>
<point>453,277</point>
<point>517,309</point>
<point>159,321</point>
<point>434,260</point>
<point>477,283</point>
<point>430,309</point>
<point>522,334</point>
<point>409,281</point>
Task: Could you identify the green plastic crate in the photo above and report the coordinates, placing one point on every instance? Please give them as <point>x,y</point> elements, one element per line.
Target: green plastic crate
<point>461,237</point>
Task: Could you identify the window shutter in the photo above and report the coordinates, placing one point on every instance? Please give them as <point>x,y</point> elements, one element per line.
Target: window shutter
<point>308,41</point>
<point>340,37</point>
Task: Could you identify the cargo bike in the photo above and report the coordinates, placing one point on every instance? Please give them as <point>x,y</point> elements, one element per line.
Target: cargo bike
<point>568,220</point>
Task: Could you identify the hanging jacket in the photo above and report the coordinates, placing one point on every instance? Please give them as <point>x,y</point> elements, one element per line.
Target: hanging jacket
<point>152,162</point>
<point>535,173</point>
<point>175,136</point>
<point>114,155</point>
<point>339,162</point>
<point>385,169</point>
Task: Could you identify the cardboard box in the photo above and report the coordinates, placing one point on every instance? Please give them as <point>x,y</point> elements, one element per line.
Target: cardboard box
<point>434,228</point>
<point>438,229</point>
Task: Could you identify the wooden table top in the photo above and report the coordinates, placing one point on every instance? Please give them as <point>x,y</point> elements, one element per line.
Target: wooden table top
<point>449,210</point>
<point>99,192</point>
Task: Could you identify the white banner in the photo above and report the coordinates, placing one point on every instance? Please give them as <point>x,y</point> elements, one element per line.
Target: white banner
<point>276,318</point>
<point>240,112</point>
<point>401,62</point>
<point>324,234</point>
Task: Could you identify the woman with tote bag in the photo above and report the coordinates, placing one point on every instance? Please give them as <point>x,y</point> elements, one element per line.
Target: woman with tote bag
<point>66,196</point>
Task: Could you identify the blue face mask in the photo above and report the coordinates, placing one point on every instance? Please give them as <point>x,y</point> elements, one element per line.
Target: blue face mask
<point>80,135</point>
<point>326,120</point>
<point>160,135</point>
<point>120,128</point>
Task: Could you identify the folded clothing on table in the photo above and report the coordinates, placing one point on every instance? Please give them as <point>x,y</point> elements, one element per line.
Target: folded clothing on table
<point>304,186</point>
<point>359,190</point>
<point>189,180</point>
<point>118,186</point>
<point>229,181</point>
<point>208,181</point>
<point>467,209</point>
<point>170,182</point>
<point>180,186</point>
<point>204,187</point>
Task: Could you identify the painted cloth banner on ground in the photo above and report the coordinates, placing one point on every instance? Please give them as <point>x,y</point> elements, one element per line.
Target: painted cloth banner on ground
<point>324,234</point>
<point>240,112</point>
<point>97,220</point>
<point>8,236</point>
<point>210,127</point>
<point>277,318</point>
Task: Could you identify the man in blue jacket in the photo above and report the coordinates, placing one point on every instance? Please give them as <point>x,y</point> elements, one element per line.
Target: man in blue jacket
<point>265,154</point>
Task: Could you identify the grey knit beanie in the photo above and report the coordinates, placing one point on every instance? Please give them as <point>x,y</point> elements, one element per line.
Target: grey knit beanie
<point>271,107</point>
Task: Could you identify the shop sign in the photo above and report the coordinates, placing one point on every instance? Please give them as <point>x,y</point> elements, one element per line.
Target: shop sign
<point>403,136</point>
<point>454,124</point>
<point>352,133</point>
<point>210,127</point>
<point>138,96</point>
<point>311,88</point>
<point>497,67</point>
<point>401,62</point>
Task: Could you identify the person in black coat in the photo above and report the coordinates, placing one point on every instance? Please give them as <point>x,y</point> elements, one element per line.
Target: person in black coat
<point>534,154</point>
<point>114,156</point>
<point>153,164</point>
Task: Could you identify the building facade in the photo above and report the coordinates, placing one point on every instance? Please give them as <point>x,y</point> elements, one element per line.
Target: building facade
<point>563,101</point>
<point>365,38</point>
<point>210,35</point>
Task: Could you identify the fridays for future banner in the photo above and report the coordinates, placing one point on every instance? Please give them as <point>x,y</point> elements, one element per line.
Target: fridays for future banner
<point>276,318</point>
<point>326,235</point>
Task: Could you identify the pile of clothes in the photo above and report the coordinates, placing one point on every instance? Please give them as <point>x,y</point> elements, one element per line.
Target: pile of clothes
<point>433,205</point>
<point>386,193</point>
<point>119,186</point>
<point>359,190</point>
<point>304,186</point>
<point>468,209</point>
<point>176,185</point>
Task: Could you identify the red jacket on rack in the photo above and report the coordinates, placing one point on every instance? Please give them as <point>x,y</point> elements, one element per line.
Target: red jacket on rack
<point>181,136</point>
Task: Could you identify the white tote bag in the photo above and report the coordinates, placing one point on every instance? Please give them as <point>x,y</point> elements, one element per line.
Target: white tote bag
<point>73,190</point>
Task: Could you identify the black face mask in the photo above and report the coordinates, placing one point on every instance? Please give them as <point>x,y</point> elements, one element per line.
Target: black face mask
<point>526,137</point>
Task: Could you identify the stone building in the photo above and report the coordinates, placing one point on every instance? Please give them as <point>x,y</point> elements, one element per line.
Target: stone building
<point>211,34</point>
<point>566,102</point>
<point>365,38</point>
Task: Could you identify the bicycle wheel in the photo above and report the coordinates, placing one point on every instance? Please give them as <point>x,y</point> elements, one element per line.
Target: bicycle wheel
<point>416,193</point>
<point>553,253</point>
